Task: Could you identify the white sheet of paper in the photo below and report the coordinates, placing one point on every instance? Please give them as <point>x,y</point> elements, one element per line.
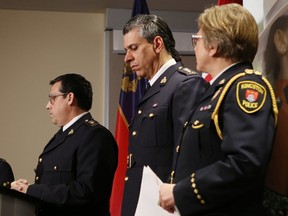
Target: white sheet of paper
<point>149,196</point>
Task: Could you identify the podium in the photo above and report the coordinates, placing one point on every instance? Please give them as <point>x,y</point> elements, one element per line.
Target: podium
<point>14,203</point>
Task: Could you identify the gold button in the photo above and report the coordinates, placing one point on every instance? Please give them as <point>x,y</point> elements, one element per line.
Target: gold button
<point>195,191</point>
<point>177,148</point>
<point>151,115</point>
<point>193,185</point>
<point>202,202</point>
<point>40,160</point>
<point>126,178</point>
<point>134,133</point>
<point>192,180</point>
<point>55,167</point>
<point>199,197</point>
<point>139,112</point>
<point>37,178</point>
<point>4,184</point>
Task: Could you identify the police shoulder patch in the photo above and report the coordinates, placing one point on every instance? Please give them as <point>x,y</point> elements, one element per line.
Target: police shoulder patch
<point>250,96</point>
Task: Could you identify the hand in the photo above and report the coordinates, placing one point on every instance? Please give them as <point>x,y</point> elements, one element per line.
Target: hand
<point>20,185</point>
<point>166,198</point>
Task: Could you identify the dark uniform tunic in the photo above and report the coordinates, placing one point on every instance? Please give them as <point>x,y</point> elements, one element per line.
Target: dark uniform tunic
<point>220,163</point>
<point>6,173</point>
<point>156,126</point>
<point>75,171</point>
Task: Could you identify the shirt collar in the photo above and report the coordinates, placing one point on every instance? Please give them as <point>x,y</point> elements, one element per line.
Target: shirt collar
<point>162,70</point>
<point>212,80</point>
<point>73,121</point>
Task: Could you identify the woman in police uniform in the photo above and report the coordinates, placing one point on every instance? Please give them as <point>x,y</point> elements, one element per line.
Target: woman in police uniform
<point>224,150</point>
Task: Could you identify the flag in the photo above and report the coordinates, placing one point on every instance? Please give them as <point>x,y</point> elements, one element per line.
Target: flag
<point>221,2</point>
<point>132,89</point>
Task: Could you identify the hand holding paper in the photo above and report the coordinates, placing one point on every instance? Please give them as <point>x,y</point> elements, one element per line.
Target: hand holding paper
<point>149,196</point>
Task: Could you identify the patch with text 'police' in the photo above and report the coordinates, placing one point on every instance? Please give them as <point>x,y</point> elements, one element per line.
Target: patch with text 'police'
<point>250,96</point>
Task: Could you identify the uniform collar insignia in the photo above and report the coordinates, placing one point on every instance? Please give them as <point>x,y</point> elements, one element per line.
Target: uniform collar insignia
<point>71,132</point>
<point>164,80</point>
<point>221,81</point>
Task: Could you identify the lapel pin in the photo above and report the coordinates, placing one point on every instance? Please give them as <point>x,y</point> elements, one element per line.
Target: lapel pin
<point>164,80</point>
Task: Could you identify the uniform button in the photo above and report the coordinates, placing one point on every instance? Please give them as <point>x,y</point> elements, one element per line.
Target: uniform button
<point>37,178</point>
<point>126,178</point>
<point>40,160</point>
<point>151,115</point>
<point>177,148</point>
<point>55,167</point>
<point>139,112</point>
<point>4,184</point>
<point>134,133</point>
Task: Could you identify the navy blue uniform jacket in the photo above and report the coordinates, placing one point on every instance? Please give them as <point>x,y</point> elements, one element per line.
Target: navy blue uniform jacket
<point>221,160</point>
<point>76,170</point>
<point>6,173</point>
<point>156,126</point>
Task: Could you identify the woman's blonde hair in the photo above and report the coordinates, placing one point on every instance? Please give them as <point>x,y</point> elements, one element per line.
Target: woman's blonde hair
<point>232,29</point>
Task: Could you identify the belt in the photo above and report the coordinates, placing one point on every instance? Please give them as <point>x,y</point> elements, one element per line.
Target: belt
<point>160,157</point>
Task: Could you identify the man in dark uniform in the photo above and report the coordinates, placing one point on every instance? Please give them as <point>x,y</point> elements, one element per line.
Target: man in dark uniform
<point>75,171</point>
<point>220,164</point>
<point>6,173</point>
<point>161,113</point>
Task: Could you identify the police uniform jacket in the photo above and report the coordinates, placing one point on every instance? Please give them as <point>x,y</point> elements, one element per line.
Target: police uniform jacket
<point>220,163</point>
<point>157,123</point>
<point>75,171</point>
<point>6,173</point>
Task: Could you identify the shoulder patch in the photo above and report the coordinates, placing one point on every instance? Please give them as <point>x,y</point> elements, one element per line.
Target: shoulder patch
<point>250,96</point>
<point>187,71</point>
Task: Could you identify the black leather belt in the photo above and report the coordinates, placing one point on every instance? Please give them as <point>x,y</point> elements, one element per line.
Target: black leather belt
<point>159,157</point>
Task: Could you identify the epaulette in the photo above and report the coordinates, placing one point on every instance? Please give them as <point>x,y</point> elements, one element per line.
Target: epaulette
<point>251,71</point>
<point>186,71</point>
<point>91,122</point>
<point>247,92</point>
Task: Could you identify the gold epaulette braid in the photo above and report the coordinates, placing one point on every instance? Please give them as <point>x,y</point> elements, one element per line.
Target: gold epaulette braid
<point>273,98</point>
<point>214,116</point>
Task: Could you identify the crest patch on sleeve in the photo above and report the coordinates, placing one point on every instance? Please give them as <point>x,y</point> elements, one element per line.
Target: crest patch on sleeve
<point>250,96</point>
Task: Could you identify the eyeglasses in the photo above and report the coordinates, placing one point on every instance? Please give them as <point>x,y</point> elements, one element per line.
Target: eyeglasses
<point>195,39</point>
<point>52,97</point>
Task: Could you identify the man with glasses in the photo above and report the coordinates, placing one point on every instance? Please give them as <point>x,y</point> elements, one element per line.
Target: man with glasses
<point>75,171</point>
<point>220,165</point>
